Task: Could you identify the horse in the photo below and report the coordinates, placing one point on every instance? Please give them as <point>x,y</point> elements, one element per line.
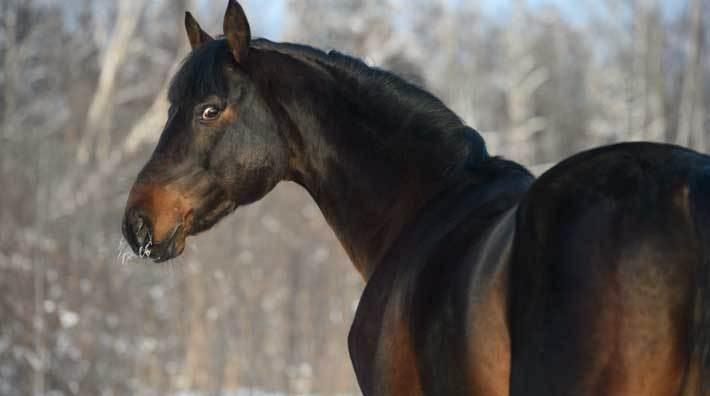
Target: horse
<point>480,279</point>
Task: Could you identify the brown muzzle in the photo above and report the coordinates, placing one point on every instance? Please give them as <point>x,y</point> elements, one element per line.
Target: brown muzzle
<point>156,221</point>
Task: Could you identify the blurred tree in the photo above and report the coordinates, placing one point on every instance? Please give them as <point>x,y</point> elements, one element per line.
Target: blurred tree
<point>264,300</point>
<point>692,113</point>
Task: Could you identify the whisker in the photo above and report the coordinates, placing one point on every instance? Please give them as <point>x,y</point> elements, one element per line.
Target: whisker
<point>124,252</point>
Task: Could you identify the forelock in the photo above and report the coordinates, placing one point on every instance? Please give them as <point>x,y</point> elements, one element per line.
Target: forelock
<point>201,73</point>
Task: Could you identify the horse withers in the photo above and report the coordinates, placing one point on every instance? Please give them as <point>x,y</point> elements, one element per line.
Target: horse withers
<point>593,279</point>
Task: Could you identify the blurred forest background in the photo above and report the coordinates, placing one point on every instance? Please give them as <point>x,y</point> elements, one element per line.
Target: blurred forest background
<point>262,303</point>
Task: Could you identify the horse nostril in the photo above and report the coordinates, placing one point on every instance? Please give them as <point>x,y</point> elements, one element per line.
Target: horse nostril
<point>138,230</point>
<point>142,231</point>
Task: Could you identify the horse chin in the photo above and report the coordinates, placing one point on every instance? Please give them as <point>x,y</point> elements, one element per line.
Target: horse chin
<point>209,218</point>
<point>194,223</point>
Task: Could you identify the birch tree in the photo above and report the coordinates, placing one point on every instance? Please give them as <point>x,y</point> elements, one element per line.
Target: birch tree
<point>97,128</point>
<point>691,116</point>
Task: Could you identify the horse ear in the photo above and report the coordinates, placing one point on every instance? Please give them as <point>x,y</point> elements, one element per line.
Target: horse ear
<point>236,30</point>
<point>195,34</point>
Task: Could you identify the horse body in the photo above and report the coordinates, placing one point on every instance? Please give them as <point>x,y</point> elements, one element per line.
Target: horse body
<point>591,283</point>
<point>594,279</point>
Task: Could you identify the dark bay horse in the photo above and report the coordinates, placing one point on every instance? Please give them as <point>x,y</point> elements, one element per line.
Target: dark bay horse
<point>592,280</point>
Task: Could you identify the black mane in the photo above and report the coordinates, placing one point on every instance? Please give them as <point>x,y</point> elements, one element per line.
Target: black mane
<point>411,110</point>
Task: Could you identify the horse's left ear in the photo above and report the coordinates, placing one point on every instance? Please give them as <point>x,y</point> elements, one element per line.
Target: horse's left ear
<point>195,34</point>
<point>236,31</point>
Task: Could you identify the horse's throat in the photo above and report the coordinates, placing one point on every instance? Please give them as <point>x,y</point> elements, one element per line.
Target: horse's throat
<point>367,220</point>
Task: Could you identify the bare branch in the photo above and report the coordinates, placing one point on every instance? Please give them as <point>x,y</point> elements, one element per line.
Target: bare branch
<point>97,125</point>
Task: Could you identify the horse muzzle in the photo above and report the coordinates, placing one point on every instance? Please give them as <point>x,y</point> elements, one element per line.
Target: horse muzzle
<point>139,233</point>
<point>156,222</point>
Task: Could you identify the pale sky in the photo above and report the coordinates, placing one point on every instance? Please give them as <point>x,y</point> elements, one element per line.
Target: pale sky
<point>272,12</point>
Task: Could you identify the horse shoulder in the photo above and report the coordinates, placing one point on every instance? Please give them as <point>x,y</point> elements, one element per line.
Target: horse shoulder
<point>488,340</point>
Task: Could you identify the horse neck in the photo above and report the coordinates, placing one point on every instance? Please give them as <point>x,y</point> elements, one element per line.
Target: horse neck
<point>368,181</point>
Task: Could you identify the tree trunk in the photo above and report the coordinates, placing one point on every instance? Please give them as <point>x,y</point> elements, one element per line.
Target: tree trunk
<point>690,107</point>
<point>96,131</point>
<point>10,67</point>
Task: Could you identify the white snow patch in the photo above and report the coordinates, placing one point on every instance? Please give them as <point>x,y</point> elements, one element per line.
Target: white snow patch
<point>68,319</point>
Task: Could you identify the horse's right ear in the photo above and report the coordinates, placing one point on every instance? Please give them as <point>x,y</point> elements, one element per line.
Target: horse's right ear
<point>195,34</point>
<point>236,31</point>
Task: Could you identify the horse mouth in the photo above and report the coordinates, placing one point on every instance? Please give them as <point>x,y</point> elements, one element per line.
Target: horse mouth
<point>168,248</point>
<point>173,245</point>
<point>139,231</point>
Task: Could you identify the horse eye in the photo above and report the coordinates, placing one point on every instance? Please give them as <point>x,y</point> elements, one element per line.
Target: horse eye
<point>210,113</point>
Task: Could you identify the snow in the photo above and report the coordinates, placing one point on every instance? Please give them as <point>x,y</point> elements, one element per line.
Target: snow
<point>68,319</point>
